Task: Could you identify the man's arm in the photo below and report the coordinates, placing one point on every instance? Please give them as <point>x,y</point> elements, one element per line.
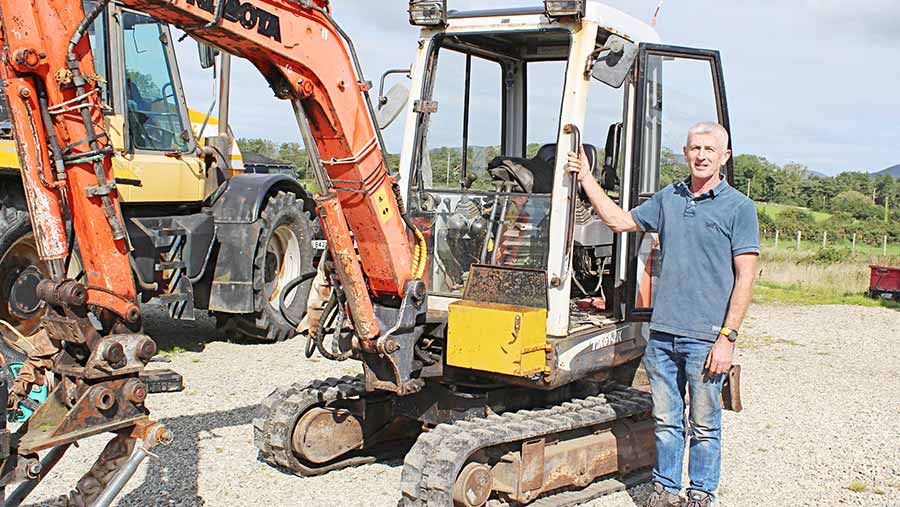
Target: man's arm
<point>722,353</point>
<point>609,212</point>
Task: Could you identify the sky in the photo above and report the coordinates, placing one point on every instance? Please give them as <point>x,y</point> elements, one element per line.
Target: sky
<point>808,81</point>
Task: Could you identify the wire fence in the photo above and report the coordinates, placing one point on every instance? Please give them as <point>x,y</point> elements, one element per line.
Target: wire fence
<point>797,240</point>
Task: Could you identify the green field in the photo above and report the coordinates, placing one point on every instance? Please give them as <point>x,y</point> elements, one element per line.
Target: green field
<point>862,249</point>
<point>798,294</point>
<point>806,277</point>
<point>773,210</point>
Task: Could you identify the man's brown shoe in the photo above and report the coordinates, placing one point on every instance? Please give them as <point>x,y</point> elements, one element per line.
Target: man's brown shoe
<point>697,498</point>
<point>662,497</point>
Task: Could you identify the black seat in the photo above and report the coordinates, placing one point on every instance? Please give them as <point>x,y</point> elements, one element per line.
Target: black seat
<point>547,153</point>
<point>541,166</point>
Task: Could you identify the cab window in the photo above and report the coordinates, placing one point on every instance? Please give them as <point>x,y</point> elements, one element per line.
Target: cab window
<point>154,119</point>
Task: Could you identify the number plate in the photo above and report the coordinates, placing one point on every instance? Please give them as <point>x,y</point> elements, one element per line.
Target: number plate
<point>319,244</point>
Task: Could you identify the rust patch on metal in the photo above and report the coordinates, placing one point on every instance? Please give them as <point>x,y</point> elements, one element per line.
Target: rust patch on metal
<point>625,447</point>
<point>325,434</point>
<point>532,474</point>
<point>98,409</point>
<point>349,271</point>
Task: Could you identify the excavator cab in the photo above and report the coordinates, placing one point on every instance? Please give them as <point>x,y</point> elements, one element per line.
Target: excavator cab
<point>500,98</point>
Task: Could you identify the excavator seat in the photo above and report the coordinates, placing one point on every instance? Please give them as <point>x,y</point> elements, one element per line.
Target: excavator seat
<point>536,173</point>
<point>547,154</point>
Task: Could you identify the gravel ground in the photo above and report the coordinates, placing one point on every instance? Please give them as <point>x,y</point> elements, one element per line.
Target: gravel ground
<point>822,411</point>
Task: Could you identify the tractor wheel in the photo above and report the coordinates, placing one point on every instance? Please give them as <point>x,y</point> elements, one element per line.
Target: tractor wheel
<point>283,253</point>
<point>18,251</point>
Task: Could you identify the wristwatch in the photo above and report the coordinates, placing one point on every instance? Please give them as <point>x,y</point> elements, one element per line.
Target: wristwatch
<point>730,333</point>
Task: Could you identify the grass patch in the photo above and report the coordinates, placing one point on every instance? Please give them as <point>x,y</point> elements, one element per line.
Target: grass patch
<point>195,359</point>
<point>768,340</point>
<point>878,491</point>
<point>858,487</point>
<point>174,350</point>
<point>798,294</point>
<point>788,242</point>
<point>894,484</point>
<point>754,342</point>
<point>819,276</point>
<point>823,353</point>
<point>773,210</point>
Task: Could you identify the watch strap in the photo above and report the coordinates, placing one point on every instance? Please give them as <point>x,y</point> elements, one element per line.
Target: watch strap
<point>730,333</point>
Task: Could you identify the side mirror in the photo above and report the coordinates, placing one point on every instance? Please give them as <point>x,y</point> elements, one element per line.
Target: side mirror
<point>207,55</point>
<point>609,180</point>
<point>611,63</point>
<point>390,105</point>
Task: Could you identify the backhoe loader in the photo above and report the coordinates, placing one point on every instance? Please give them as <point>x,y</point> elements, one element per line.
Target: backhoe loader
<point>498,323</point>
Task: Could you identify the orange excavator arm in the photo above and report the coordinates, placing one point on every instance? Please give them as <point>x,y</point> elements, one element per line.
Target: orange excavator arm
<point>57,119</point>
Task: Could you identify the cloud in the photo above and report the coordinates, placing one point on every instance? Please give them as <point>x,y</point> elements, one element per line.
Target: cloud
<point>874,19</point>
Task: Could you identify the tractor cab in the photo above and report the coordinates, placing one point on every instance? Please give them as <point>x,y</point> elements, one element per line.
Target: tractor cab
<point>498,99</point>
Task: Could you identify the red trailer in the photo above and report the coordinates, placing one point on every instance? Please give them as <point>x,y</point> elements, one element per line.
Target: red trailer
<point>884,282</point>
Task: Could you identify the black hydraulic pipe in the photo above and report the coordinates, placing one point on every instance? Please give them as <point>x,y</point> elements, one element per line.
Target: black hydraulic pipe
<point>465,140</point>
<point>118,231</point>
<point>287,289</point>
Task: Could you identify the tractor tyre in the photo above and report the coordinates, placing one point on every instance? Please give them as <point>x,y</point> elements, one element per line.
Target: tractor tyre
<point>283,252</point>
<point>18,251</point>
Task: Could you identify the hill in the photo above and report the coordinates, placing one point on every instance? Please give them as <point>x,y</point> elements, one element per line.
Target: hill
<point>894,171</point>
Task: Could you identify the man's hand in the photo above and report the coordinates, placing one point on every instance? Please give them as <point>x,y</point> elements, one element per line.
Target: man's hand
<point>720,357</point>
<point>578,165</point>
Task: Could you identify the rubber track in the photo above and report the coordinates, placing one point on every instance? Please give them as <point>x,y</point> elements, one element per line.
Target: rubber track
<point>276,416</point>
<point>435,461</point>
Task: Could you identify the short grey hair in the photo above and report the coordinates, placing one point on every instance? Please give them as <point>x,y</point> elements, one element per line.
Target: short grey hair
<point>708,127</point>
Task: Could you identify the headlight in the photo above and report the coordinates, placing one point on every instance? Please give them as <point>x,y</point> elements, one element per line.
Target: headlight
<point>428,12</point>
<point>563,8</point>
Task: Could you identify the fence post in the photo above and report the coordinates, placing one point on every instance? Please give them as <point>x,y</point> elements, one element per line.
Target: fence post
<point>799,234</point>
<point>884,246</point>
<point>853,244</point>
<point>824,238</point>
<point>776,239</point>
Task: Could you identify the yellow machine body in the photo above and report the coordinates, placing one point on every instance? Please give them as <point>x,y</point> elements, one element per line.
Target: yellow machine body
<point>497,338</point>
<point>163,178</point>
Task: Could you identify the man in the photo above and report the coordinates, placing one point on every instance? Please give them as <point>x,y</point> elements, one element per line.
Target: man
<point>709,243</point>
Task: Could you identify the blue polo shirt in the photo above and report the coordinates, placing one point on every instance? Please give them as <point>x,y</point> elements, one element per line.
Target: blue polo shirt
<point>699,237</point>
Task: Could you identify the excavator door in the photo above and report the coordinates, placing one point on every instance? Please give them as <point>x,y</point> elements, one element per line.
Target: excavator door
<point>676,88</point>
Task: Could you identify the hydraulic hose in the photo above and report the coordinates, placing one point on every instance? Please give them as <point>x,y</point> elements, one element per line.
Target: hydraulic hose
<point>86,23</point>
<point>319,337</point>
<point>420,253</point>
<point>288,288</point>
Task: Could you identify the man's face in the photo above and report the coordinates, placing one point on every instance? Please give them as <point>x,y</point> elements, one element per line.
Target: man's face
<point>705,154</point>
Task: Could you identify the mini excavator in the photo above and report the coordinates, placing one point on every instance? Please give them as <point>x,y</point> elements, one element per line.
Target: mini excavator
<point>499,324</point>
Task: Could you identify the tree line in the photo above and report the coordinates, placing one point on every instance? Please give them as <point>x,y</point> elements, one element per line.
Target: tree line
<point>856,201</point>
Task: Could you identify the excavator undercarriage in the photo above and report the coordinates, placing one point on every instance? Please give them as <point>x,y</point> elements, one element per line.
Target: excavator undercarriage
<point>466,446</point>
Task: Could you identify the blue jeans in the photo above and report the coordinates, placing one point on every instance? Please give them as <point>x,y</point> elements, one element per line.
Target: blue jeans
<point>673,364</point>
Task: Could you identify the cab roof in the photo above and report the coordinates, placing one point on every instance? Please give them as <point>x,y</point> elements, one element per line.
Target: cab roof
<point>608,18</point>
